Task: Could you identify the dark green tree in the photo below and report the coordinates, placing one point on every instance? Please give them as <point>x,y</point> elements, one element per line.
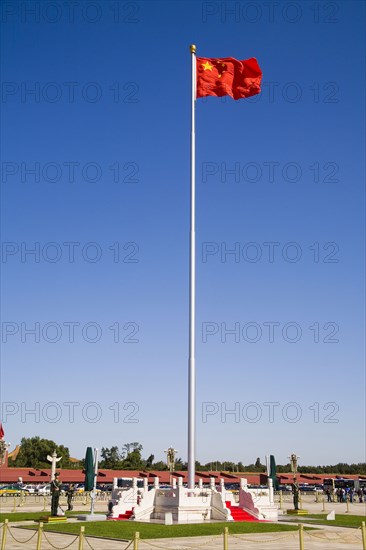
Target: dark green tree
<point>34,450</point>
<point>160,466</point>
<point>149,461</point>
<point>229,466</point>
<point>127,448</point>
<point>178,465</point>
<point>258,463</point>
<point>132,456</point>
<point>240,467</point>
<point>133,461</point>
<point>111,458</point>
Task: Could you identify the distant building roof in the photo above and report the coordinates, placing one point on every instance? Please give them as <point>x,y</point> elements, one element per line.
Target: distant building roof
<point>42,475</point>
<point>13,454</point>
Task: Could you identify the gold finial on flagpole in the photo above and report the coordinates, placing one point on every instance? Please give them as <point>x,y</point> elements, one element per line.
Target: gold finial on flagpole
<point>192,47</point>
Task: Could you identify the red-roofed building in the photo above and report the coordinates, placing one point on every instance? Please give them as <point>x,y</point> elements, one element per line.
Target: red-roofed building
<point>34,475</point>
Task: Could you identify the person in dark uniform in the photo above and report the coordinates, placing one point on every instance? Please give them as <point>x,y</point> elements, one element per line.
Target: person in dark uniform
<point>296,493</point>
<point>55,492</point>
<point>70,495</point>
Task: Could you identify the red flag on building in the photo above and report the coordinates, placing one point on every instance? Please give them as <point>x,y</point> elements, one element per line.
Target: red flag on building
<point>228,76</point>
<point>1,431</point>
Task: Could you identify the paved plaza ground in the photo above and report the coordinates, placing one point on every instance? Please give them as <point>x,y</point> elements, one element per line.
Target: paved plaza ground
<point>324,537</point>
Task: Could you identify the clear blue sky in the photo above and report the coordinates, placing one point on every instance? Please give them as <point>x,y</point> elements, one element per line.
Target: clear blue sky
<point>280,180</point>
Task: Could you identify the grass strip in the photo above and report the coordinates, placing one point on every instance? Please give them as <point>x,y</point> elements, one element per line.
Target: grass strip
<point>125,530</point>
<point>32,516</point>
<point>341,520</point>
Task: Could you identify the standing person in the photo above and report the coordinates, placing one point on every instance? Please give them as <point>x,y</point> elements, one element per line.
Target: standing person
<point>327,492</point>
<point>55,492</point>
<point>70,495</point>
<point>296,493</point>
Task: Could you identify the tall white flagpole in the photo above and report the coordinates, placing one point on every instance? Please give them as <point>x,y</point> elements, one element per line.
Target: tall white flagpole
<point>192,295</point>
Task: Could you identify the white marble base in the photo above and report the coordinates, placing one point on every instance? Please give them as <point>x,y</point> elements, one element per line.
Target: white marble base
<point>92,517</point>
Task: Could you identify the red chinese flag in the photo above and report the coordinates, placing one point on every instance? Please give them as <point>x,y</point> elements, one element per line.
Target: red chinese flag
<point>1,431</point>
<point>228,76</point>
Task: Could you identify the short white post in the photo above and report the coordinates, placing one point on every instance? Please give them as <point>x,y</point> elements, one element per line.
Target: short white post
<point>180,482</point>
<point>200,484</point>
<point>134,490</point>
<point>222,490</point>
<point>146,484</point>
<point>243,483</point>
<point>212,483</point>
<point>174,482</point>
<point>270,490</point>
<point>156,482</point>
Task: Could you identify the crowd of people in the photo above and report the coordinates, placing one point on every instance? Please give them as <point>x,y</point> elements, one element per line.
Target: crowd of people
<point>346,494</point>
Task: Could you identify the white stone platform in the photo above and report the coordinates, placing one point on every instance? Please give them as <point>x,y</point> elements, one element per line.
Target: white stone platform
<point>178,504</point>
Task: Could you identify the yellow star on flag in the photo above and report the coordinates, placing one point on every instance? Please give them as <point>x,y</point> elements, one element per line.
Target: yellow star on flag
<point>207,66</point>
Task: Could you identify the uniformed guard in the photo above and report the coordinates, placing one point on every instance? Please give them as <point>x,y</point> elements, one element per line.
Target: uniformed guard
<point>55,492</point>
<point>70,495</point>
<point>296,493</point>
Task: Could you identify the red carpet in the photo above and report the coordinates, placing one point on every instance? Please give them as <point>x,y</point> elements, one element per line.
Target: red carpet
<point>239,514</point>
<point>124,516</point>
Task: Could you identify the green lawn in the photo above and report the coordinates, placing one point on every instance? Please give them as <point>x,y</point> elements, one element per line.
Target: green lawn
<point>31,516</point>
<point>341,520</point>
<point>125,530</point>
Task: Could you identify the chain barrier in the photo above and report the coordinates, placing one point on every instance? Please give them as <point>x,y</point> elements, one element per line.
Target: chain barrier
<point>358,535</point>
<point>21,541</point>
<point>60,547</point>
<point>88,543</point>
<point>282,537</point>
<point>92,547</point>
<point>216,537</point>
<point>348,538</point>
